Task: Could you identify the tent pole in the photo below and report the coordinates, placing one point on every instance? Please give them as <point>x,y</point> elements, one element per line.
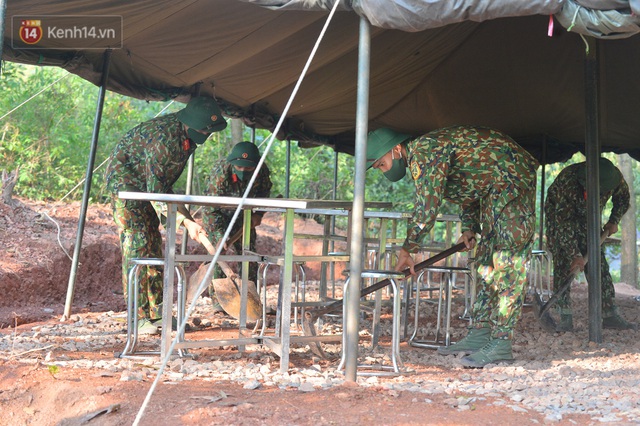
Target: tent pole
<point>287,170</point>
<point>332,244</point>
<point>334,192</point>
<point>352,304</point>
<point>189,185</point>
<point>542,185</point>
<point>328,246</point>
<point>87,184</point>
<point>3,8</point>
<point>188,190</point>
<point>592,151</point>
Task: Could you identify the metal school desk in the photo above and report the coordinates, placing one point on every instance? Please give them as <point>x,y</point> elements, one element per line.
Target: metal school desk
<point>279,345</point>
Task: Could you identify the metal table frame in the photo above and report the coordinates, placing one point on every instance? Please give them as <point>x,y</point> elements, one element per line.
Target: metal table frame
<point>279,345</point>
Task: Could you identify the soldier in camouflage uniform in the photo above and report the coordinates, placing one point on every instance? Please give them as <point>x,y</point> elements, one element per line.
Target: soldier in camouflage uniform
<point>494,181</point>
<point>566,216</point>
<point>230,178</point>
<point>150,158</point>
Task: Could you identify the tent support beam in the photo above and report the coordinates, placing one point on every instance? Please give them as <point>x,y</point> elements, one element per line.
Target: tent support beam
<point>190,167</point>
<point>328,247</point>
<point>3,9</point>
<point>87,185</point>
<point>352,304</point>
<point>592,151</point>
<point>188,190</point>
<point>543,176</point>
<point>288,170</point>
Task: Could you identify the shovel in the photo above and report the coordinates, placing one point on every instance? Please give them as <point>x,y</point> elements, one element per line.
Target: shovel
<point>196,278</point>
<point>541,309</point>
<point>227,289</point>
<point>311,316</point>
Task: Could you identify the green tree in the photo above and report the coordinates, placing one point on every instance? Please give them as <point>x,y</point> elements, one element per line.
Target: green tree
<point>47,126</point>
<point>46,122</point>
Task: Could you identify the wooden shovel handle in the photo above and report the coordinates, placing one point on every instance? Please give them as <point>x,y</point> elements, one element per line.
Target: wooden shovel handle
<point>564,285</point>
<point>235,237</point>
<point>380,284</point>
<point>417,267</point>
<point>212,251</point>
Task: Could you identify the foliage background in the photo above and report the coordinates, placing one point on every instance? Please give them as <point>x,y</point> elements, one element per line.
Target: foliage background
<point>48,138</point>
<point>47,119</point>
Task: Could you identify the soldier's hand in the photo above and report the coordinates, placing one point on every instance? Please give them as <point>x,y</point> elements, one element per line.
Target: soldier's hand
<point>405,261</point>
<point>610,228</point>
<point>578,263</point>
<point>256,220</point>
<point>469,239</point>
<point>195,229</point>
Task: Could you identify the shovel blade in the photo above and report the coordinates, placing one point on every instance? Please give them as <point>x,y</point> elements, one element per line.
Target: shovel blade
<point>228,294</point>
<point>194,282</point>
<point>538,304</point>
<point>309,329</point>
<point>541,310</point>
<point>547,322</point>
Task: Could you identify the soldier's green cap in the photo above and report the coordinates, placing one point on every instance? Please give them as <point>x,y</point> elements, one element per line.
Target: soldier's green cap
<point>202,113</point>
<point>610,176</point>
<point>244,154</point>
<point>380,141</point>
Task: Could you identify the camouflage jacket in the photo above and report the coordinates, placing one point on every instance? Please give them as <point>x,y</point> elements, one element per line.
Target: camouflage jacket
<point>464,165</point>
<point>566,210</point>
<point>150,157</point>
<point>223,182</point>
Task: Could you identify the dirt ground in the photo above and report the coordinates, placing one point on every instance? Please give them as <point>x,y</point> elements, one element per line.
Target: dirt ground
<point>38,240</point>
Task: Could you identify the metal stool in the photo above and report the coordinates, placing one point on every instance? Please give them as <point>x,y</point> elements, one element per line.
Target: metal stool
<point>132,306</point>
<point>470,289</point>
<point>444,287</point>
<point>299,291</point>
<point>332,270</point>
<point>538,276</point>
<point>373,255</point>
<point>396,361</point>
<point>375,260</point>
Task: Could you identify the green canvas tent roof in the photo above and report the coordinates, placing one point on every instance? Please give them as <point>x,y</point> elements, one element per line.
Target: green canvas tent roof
<point>433,64</point>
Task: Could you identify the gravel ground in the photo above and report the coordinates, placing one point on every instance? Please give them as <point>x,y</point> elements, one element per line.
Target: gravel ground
<point>555,375</point>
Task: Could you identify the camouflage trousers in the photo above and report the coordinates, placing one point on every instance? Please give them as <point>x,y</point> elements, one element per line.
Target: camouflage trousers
<point>561,268</point>
<point>501,259</point>
<point>138,228</point>
<point>216,231</point>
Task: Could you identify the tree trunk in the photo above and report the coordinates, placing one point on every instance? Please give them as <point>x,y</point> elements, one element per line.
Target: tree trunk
<point>9,180</point>
<point>629,251</point>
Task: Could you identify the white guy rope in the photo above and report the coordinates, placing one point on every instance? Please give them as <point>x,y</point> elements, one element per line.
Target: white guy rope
<point>82,182</point>
<point>55,82</point>
<point>107,159</point>
<point>59,242</point>
<point>209,273</point>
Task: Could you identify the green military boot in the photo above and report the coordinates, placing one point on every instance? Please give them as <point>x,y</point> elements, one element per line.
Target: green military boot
<point>616,322</point>
<point>566,323</point>
<point>174,324</point>
<point>497,350</point>
<point>473,342</point>
<point>548,323</point>
<point>145,327</point>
